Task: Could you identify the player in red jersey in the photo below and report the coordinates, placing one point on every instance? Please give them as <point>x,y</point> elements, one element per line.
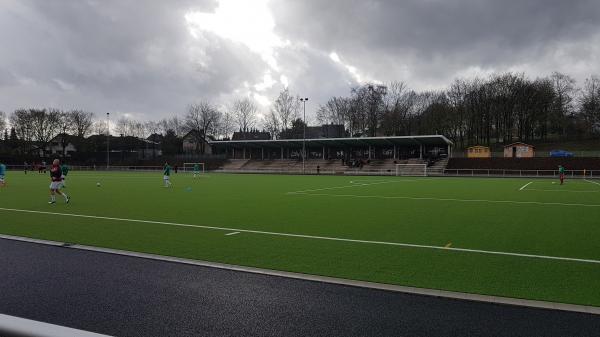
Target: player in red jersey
<point>55,185</point>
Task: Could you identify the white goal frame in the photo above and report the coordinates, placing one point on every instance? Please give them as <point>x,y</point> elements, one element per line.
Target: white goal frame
<point>189,167</point>
<point>414,170</point>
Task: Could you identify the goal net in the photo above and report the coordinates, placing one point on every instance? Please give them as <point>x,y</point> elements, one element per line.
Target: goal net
<point>190,167</point>
<point>419,170</point>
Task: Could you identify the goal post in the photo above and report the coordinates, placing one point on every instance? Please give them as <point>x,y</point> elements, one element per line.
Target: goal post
<point>189,167</point>
<point>415,170</point>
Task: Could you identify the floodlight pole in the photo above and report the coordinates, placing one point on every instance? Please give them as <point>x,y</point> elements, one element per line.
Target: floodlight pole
<point>107,140</point>
<point>303,100</point>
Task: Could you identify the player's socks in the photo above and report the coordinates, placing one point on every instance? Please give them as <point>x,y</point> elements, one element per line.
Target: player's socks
<point>66,197</point>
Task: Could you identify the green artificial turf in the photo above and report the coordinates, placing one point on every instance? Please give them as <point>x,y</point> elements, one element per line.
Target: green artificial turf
<point>472,213</point>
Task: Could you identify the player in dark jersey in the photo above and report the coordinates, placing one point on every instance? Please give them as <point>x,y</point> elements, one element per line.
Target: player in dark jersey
<point>56,182</point>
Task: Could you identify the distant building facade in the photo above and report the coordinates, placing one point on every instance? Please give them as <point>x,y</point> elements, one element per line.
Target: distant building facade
<point>519,150</point>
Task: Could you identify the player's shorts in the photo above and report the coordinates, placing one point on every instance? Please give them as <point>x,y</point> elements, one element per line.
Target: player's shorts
<point>55,185</point>
<point>165,177</point>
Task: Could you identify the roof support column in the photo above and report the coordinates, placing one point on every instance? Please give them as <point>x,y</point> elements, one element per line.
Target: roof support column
<point>323,152</point>
<point>449,151</point>
<point>262,153</point>
<point>395,151</point>
<point>421,151</point>
<point>282,153</point>
<point>244,152</point>
<point>233,154</point>
<point>369,152</point>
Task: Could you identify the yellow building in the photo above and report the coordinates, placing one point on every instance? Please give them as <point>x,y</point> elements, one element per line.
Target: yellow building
<point>479,151</point>
<point>519,150</point>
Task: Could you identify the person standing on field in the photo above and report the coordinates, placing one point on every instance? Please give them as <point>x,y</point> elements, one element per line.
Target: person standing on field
<point>167,175</point>
<point>196,170</point>
<point>64,170</point>
<point>56,183</point>
<point>2,173</point>
<point>561,174</point>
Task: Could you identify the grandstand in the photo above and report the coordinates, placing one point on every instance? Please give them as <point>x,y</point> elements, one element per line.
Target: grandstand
<point>365,155</point>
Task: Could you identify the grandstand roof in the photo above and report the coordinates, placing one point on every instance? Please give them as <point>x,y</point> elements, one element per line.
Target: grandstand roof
<point>430,140</point>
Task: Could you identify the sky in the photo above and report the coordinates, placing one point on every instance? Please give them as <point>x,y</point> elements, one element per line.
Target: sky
<point>150,59</point>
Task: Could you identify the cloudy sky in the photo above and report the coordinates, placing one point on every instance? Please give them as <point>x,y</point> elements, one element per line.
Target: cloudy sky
<point>149,59</point>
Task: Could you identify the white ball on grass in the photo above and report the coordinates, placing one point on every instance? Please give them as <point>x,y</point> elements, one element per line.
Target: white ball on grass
<point>98,184</point>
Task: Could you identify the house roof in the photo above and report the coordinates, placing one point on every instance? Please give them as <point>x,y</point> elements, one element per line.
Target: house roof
<point>518,143</point>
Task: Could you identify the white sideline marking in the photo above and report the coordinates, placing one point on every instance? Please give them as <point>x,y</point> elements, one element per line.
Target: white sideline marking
<point>593,182</point>
<point>572,191</point>
<point>303,236</point>
<point>232,233</point>
<point>523,187</point>
<point>353,184</point>
<point>445,199</point>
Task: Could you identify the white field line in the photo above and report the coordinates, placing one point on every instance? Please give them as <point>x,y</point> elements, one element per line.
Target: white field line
<point>313,237</point>
<point>571,191</point>
<point>593,182</point>
<point>350,186</point>
<point>447,199</point>
<point>232,233</point>
<point>524,186</point>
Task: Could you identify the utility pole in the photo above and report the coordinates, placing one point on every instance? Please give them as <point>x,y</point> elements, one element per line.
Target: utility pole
<point>107,140</point>
<point>304,100</point>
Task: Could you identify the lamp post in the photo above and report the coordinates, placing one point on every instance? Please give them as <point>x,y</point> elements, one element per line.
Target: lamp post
<point>107,140</point>
<point>304,100</point>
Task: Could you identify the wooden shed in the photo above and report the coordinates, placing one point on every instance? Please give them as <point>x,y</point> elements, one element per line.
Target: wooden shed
<point>519,150</point>
<point>479,151</point>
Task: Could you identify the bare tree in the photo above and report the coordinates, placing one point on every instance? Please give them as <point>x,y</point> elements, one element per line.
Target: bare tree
<point>336,111</point>
<point>125,127</point>
<point>2,121</point>
<point>202,119</point>
<point>227,125</point>
<point>99,127</point>
<point>21,121</point>
<point>45,124</point>
<point>590,101</point>
<point>65,128</point>
<point>82,122</point>
<point>174,124</point>
<point>273,124</point>
<point>286,108</point>
<point>244,111</point>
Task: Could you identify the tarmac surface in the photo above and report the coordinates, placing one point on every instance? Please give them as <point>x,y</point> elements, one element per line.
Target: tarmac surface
<point>128,296</point>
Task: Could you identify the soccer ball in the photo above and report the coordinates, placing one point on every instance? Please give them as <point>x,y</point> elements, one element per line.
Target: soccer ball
<point>97,184</point>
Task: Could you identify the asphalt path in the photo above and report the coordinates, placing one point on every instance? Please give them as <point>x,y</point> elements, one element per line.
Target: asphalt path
<point>128,296</point>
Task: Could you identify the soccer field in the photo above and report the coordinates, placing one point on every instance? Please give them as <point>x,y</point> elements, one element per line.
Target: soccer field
<point>522,238</point>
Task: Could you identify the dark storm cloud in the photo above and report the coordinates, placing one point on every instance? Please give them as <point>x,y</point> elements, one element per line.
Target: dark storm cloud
<point>124,56</point>
<point>435,38</point>
<point>139,57</point>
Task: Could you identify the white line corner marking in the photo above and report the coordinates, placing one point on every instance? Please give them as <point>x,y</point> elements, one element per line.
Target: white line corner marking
<point>525,186</point>
<point>313,237</point>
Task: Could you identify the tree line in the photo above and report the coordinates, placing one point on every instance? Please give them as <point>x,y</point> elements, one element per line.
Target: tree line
<point>499,109</point>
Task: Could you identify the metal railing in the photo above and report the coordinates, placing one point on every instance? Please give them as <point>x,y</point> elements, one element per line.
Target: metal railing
<point>520,173</point>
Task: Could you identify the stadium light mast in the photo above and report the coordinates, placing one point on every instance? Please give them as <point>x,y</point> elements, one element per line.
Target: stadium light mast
<point>107,140</point>
<point>304,100</point>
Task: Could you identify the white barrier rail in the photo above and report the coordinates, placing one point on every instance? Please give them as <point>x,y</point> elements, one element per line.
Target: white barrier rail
<point>11,326</point>
<point>521,173</point>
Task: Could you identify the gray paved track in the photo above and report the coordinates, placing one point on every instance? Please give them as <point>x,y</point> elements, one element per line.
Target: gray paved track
<point>126,296</point>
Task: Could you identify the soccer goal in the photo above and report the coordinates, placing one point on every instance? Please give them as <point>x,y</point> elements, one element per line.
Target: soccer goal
<point>189,168</point>
<point>419,170</point>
